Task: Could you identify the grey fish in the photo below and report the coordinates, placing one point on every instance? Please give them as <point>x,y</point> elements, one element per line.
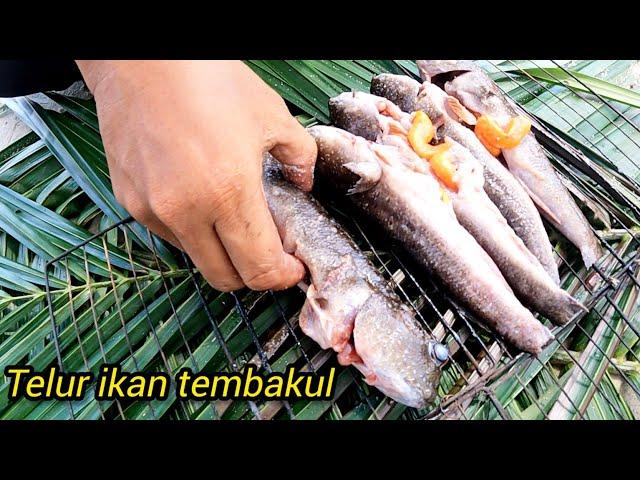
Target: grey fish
<point>350,307</point>
<point>473,208</point>
<point>387,186</point>
<point>374,118</point>
<point>504,190</point>
<point>358,112</point>
<point>477,213</point>
<point>527,161</point>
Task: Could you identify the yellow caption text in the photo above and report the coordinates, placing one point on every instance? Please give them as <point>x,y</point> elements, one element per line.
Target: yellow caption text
<point>112,383</point>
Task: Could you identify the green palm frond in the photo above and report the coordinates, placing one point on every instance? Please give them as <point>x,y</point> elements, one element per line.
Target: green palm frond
<point>49,235</point>
<point>578,81</point>
<point>79,149</point>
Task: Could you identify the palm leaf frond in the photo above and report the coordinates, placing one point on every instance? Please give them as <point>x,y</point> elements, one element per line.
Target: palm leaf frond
<point>81,153</point>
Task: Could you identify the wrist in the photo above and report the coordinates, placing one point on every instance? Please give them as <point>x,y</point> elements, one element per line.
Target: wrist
<point>92,72</point>
<point>95,72</point>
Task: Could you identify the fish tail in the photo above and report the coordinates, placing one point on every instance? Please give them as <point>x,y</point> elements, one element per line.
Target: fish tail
<point>536,343</point>
<point>591,253</point>
<point>549,339</point>
<point>570,308</point>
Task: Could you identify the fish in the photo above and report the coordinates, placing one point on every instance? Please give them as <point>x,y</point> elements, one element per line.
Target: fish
<point>349,306</point>
<point>504,190</point>
<point>527,160</point>
<point>388,186</point>
<point>522,270</point>
<point>472,207</point>
<point>366,115</point>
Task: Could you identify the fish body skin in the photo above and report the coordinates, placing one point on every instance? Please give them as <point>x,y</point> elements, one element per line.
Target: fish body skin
<point>472,207</point>
<point>478,214</point>
<point>362,116</point>
<point>408,205</point>
<point>504,190</point>
<point>399,89</point>
<point>350,307</point>
<point>527,161</point>
<point>510,198</point>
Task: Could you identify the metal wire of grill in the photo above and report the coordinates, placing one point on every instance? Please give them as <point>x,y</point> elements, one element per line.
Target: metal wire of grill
<point>165,318</point>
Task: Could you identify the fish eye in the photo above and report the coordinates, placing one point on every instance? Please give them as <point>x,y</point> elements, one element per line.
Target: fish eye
<point>439,352</point>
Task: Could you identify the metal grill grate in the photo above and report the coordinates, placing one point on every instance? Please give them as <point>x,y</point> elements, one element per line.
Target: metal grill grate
<point>158,317</point>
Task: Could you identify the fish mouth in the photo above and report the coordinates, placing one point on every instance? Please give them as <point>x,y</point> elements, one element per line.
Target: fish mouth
<point>440,71</point>
<point>417,396</point>
<point>440,79</point>
<point>330,320</point>
<point>401,392</point>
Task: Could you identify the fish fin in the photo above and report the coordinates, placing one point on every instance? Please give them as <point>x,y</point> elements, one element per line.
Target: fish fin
<point>459,111</point>
<point>382,152</point>
<point>570,307</point>
<point>530,169</point>
<point>312,319</point>
<point>396,128</point>
<point>579,305</point>
<point>335,324</point>
<point>371,378</point>
<point>540,204</point>
<point>591,254</point>
<point>319,322</point>
<point>369,173</point>
<point>315,298</point>
<point>425,76</point>
<point>349,356</point>
<point>389,109</point>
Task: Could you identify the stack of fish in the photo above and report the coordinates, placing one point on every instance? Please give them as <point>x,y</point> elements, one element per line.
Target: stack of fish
<point>424,163</point>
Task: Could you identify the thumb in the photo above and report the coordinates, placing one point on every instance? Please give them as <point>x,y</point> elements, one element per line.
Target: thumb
<point>296,150</point>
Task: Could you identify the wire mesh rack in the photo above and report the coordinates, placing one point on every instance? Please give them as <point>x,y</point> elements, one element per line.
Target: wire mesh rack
<point>148,315</point>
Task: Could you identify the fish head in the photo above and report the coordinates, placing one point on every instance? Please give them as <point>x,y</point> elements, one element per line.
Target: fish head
<point>433,68</point>
<point>356,165</point>
<point>356,114</point>
<point>399,89</point>
<point>345,158</point>
<point>367,115</point>
<point>477,92</point>
<point>432,100</point>
<point>398,356</point>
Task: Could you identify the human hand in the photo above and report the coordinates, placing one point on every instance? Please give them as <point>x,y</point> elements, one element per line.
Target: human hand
<point>184,142</point>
